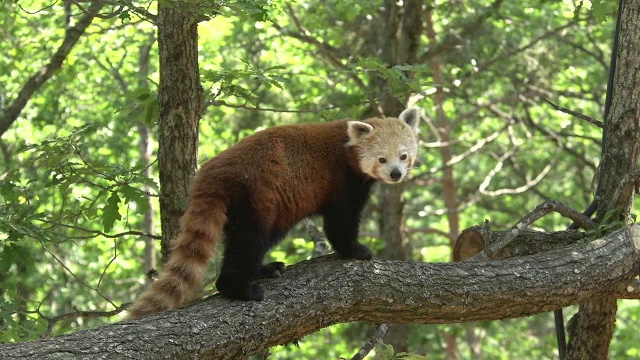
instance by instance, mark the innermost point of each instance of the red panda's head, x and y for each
(386, 148)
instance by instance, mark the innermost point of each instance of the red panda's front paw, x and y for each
(359, 252)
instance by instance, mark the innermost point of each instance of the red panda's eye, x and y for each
(382, 160)
(403, 157)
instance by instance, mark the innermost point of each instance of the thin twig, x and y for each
(509, 53)
(141, 12)
(328, 52)
(79, 314)
(76, 276)
(470, 151)
(320, 245)
(115, 255)
(379, 334)
(580, 116)
(98, 232)
(39, 10)
(236, 106)
(72, 35)
(96, 14)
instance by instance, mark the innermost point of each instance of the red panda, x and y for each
(251, 194)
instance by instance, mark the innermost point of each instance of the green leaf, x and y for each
(601, 9)
(151, 183)
(7, 257)
(132, 194)
(8, 191)
(110, 212)
(124, 16)
(249, 9)
(386, 353)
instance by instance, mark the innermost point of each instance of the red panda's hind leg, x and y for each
(242, 264)
(271, 270)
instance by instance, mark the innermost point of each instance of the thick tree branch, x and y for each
(325, 291)
(35, 82)
(540, 211)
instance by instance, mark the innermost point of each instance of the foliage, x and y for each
(387, 353)
(75, 185)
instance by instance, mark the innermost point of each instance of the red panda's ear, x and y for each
(357, 129)
(412, 117)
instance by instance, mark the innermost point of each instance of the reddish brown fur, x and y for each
(183, 275)
(253, 193)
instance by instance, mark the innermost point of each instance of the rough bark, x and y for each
(35, 82)
(591, 329)
(619, 165)
(181, 104)
(529, 242)
(325, 291)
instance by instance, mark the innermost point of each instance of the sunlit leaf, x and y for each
(110, 212)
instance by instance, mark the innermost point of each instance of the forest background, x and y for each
(79, 199)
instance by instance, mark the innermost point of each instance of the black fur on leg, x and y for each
(361, 252)
(243, 253)
(246, 243)
(230, 288)
(271, 270)
(342, 220)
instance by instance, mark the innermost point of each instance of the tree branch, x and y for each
(244, 106)
(540, 211)
(326, 50)
(377, 291)
(580, 116)
(470, 30)
(366, 349)
(72, 36)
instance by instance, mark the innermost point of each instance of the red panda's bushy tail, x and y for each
(182, 277)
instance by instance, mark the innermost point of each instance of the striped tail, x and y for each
(182, 278)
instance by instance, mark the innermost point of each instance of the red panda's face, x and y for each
(387, 148)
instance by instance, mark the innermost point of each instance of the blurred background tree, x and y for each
(80, 181)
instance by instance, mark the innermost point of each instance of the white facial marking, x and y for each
(387, 150)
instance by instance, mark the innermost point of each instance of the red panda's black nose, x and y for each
(395, 174)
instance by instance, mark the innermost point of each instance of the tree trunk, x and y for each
(591, 329)
(317, 293)
(181, 104)
(444, 137)
(400, 43)
(145, 158)
(446, 153)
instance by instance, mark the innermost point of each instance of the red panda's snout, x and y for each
(396, 174)
(392, 174)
